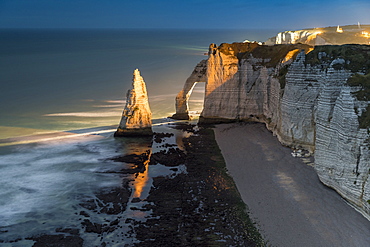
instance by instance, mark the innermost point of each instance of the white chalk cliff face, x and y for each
(136, 117)
(198, 75)
(306, 104)
(336, 35)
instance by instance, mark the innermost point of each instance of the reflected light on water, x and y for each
(141, 180)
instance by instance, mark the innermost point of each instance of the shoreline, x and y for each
(291, 206)
(175, 181)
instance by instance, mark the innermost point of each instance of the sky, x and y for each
(179, 14)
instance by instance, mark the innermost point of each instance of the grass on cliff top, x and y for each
(237, 48)
(348, 37)
(363, 81)
(271, 54)
(274, 54)
(357, 57)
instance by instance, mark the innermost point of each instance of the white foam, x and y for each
(49, 178)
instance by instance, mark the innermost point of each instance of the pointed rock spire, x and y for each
(136, 117)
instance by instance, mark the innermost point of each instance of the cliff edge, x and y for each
(311, 98)
(336, 35)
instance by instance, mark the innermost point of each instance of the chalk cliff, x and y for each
(337, 35)
(136, 117)
(305, 97)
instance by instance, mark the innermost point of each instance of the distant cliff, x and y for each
(315, 99)
(339, 35)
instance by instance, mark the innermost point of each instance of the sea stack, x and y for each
(136, 117)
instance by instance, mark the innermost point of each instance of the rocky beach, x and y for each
(284, 194)
(175, 191)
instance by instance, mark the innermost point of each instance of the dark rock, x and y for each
(159, 136)
(57, 241)
(173, 157)
(84, 214)
(92, 227)
(135, 200)
(68, 230)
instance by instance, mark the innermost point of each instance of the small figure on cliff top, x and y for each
(136, 117)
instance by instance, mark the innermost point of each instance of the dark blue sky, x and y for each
(237, 14)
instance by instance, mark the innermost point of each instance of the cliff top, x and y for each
(271, 55)
(335, 35)
(357, 57)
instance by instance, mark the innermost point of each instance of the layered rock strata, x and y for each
(136, 117)
(303, 97)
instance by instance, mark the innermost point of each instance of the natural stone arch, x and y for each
(199, 75)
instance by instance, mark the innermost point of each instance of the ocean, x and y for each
(62, 95)
(57, 80)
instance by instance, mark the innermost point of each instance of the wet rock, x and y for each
(68, 230)
(136, 160)
(172, 157)
(92, 227)
(110, 202)
(57, 241)
(159, 136)
(192, 207)
(135, 200)
(84, 214)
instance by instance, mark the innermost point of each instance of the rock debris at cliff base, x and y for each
(200, 208)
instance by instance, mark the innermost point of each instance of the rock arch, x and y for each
(199, 75)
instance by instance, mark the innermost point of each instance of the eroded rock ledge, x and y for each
(315, 99)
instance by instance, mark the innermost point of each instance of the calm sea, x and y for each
(69, 81)
(73, 79)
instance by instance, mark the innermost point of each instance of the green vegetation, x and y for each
(208, 156)
(347, 37)
(272, 55)
(363, 81)
(357, 57)
(237, 49)
(281, 76)
(364, 119)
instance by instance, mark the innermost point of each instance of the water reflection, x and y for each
(142, 179)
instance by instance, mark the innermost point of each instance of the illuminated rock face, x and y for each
(222, 92)
(198, 75)
(136, 117)
(351, 34)
(307, 106)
